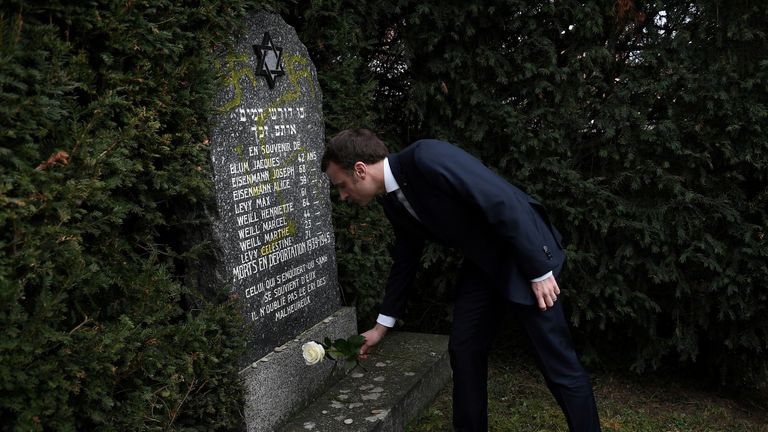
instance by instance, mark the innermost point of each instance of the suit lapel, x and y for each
(396, 164)
(398, 215)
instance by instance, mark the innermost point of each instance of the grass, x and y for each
(519, 401)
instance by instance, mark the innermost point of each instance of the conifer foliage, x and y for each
(640, 124)
(103, 156)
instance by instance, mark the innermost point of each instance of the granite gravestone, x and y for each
(274, 233)
(274, 225)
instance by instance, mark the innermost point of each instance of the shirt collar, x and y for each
(390, 184)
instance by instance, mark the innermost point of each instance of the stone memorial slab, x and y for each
(275, 243)
(274, 228)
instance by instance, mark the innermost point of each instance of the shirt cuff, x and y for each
(387, 321)
(541, 278)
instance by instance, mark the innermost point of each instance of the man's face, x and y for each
(356, 186)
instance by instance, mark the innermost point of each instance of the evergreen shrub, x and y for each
(104, 161)
(641, 125)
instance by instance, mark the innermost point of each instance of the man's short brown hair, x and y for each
(352, 145)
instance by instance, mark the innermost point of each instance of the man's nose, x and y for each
(343, 195)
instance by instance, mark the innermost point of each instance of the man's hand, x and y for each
(546, 292)
(372, 337)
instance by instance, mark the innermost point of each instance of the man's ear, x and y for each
(360, 169)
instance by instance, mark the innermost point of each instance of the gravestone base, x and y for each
(280, 383)
(394, 385)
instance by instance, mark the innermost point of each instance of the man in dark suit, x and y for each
(435, 191)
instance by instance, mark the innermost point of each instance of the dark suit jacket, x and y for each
(462, 204)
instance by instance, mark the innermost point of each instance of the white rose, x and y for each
(313, 352)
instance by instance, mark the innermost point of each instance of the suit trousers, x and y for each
(476, 316)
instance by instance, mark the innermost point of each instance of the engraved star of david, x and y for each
(270, 58)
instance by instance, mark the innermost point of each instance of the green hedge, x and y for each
(640, 124)
(103, 123)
